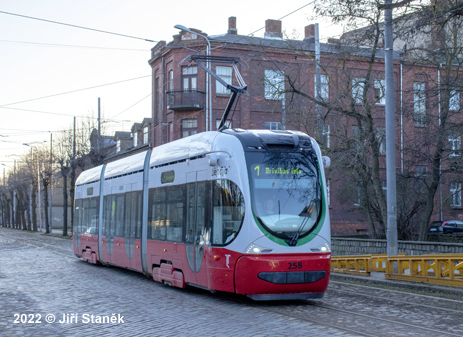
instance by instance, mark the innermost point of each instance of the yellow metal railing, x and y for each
(444, 269)
(356, 265)
(359, 264)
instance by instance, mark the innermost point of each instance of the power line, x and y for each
(75, 26)
(46, 112)
(73, 91)
(70, 46)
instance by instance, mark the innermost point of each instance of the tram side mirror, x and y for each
(213, 159)
(326, 161)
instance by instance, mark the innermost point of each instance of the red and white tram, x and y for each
(236, 211)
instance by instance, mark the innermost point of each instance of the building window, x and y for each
(358, 202)
(454, 101)
(135, 139)
(324, 87)
(118, 145)
(228, 124)
(358, 84)
(419, 104)
(225, 73)
(328, 183)
(171, 80)
(325, 136)
(384, 187)
(455, 194)
(455, 145)
(146, 133)
(273, 126)
(189, 127)
(189, 75)
(420, 179)
(380, 92)
(381, 139)
(274, 85)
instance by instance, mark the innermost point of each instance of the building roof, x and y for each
(304, 45)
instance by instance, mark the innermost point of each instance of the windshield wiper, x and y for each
(306, 213)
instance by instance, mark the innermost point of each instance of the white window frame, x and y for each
(419, 104)
(324, 87)
(328, 199)
(135, 139)
(273, 126)
(380, 92)
(454, 100)
(171, 80)
(381, 139)
(358, 86)
(145, 135)
(118, 145)
(274, 85)
(326, 135)
(455, 145)
(455, 194)
(421, 172)
(358, 202)
(189, 127)
(225, 73)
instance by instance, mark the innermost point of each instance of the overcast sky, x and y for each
(50, 73)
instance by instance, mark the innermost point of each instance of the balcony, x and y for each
(185, 100)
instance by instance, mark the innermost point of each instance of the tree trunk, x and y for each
(45, 205)
(65, 206)
(71, 194)
(34, 209)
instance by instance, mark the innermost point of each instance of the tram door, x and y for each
(195, 224)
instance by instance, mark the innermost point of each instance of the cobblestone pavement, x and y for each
(42, 281)
(43, 277)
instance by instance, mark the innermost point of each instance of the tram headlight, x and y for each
(256, 249)
(325, 248)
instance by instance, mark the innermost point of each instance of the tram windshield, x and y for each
(286, 192)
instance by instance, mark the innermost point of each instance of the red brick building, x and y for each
(280, 74)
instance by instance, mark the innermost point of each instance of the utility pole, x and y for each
(51, 184)
(318, 82)
(99, 129)
(391, 235)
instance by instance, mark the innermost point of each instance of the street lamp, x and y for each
(208, 77)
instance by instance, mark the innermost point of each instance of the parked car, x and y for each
(446, 227)
(436, 228)
(452, 226)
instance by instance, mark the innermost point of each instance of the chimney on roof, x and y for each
(334, 40)
(273, 28)
(232, 26)
(309, 32)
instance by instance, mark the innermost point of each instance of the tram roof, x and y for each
(183, 148)
(125, 165)
(89, 175)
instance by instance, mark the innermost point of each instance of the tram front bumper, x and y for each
(288, 274)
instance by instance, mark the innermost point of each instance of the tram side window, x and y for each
(157, 214)
(228, 211)
(109, 215)
(94, 214)
(174, 213)
(133, 205)
(139, 217)
(120, 207)
(78, 217)
(166, 213)
(129, 227)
